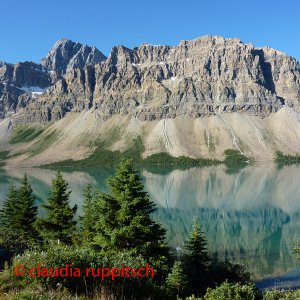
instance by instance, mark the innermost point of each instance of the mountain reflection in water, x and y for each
(251, 217)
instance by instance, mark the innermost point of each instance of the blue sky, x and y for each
(30, 28)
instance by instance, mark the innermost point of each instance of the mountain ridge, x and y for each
(215, 79)
(231, 94)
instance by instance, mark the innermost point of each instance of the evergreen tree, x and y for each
(106, 222)
(26, 214)
(177, 281)
(18, 217)
(124, 217)
(58, 224)
(8, 233)
(88, 220)
(196, 260)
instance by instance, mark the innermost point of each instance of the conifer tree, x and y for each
(177, 281)
(88, 220)
(124, 217)
(18, 217)
(26, 214)
(58, 224)
(8, 233)
(107, 208)
(8, 209)
(196, 260)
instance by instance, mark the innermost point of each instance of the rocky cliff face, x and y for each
(22, 83)
(67, 55)
(204, 76)
(18, 80)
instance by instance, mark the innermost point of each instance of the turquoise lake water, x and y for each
(251, 217)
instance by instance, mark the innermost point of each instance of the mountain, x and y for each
(24, 81)
(194, 99)
(16, 80)
(195, 78)
(66, 55)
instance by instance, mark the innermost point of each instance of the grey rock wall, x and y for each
(204, 76)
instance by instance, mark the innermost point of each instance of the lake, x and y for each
(251, 217)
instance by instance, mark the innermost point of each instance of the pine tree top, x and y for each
(196, 245)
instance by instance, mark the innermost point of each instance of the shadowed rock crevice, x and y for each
(266, 68)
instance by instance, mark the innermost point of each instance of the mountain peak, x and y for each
(66, 54)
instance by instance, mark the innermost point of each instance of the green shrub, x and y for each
(35, 292)
(282, 295)
(230, 291)
(8, 282)
(225, 270)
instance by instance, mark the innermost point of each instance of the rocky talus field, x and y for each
(196, 99)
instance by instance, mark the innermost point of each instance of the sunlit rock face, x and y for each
(67, 55)
(196, 78)
(23, 83)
